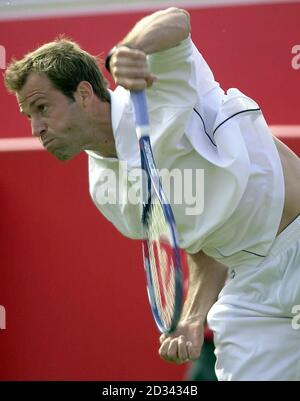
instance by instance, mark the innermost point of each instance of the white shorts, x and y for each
(256, 320)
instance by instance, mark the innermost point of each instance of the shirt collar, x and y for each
(118, 100)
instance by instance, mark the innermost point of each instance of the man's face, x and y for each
(55, 119)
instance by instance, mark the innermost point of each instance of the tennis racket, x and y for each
(161, 254)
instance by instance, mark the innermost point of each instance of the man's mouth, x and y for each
(55, 149)
(46, 141)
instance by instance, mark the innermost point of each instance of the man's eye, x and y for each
(42, 108)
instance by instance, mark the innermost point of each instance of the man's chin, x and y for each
(63, 157)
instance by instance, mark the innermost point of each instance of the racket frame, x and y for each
(153, 183)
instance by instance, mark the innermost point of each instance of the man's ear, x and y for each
(84, 93)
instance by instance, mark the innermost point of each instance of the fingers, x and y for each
(129, 69)
(192, 351)
(150, 79)
(132, 84)
(162, 338)
(182, 352)
(177, 349)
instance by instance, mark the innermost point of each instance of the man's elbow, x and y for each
(186, 21)
(182, 20)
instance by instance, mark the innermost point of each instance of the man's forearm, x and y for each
(159, 31)
(206, 279)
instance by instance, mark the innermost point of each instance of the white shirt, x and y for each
(195, 125)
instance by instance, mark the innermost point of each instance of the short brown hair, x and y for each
(64, 63)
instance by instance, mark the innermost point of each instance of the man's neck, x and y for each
(101, 138)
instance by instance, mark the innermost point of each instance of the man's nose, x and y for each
(38, 128)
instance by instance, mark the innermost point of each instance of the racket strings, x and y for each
(160, 254)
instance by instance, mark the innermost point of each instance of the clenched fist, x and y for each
(129, 68)
(184, 344)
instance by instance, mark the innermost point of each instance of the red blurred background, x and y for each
(73, 288)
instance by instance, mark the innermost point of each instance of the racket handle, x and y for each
(139, 102)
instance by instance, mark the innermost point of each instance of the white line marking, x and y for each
(286, 130)
(28, 144)
(31, 10)
(19, 144)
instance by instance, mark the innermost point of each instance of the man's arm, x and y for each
(157, 32)
(206, 279)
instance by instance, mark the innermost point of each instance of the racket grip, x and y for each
(139, 102)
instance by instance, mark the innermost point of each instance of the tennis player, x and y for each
(250, 224)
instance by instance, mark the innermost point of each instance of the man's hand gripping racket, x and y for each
(161, 253)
